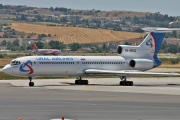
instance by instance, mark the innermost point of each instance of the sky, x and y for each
(169, 7)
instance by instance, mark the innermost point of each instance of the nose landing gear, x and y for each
(31, 84)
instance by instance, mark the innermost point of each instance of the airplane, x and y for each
(131, 61)
(45, 51)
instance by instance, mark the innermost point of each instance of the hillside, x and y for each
(75, 34)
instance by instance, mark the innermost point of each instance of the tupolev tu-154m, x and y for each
(131, 61)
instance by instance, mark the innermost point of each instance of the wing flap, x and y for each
(127, 72)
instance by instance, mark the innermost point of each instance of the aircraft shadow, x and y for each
(139, 85)
(73, 84)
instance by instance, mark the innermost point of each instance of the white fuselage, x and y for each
(65, 65)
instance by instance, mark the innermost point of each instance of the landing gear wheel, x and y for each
(30, 81)
(126, 83)
(86, 82)
(77, 81)
(31, 84)
(81, 82)
(131, 83)
(121, 83)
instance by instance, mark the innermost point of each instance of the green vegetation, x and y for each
(171, 60)
(14, 55)
(74, 46)
(170, 48)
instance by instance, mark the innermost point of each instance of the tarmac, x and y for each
(103, 99)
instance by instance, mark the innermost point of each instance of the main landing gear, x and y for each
(79, 81)
(124, 82)
(31, 84)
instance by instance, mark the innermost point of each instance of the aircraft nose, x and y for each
(7, 69)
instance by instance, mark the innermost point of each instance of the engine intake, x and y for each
(119, 49)
(132, 63)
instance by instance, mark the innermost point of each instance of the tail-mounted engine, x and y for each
(127, 50)
(119, 49)
(141, 64)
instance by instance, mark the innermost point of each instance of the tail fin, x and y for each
(34, 46)
(153, 43)
(150, 46)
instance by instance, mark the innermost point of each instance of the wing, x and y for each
(127, 72)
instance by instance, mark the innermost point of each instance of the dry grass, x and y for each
(121, 14)
(4, 61)
(75, 34)
(169, 65)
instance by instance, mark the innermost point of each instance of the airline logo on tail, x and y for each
(149, 43)
(28, 65)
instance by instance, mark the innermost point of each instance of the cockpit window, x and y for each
(15, 62)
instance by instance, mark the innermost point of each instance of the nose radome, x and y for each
(7, 69)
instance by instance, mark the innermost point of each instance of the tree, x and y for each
(16, 42)
(164, 46)
(41, 36)
(174, 33)
(9, 43)
(104, 47)
(29, 47)
(4, 42)
(35, 12)
(63, 19)
(49, 35)
(39, 18)
(54, 44)
(46, 46)
(74, 46)
(56, 9)
(13, 48)
(127, 43)
(1, 6)
(173, 48)
(39, 44)
(61, 45)
(51, 9)
(23, 17)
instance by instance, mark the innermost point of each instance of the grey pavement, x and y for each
(103, 99)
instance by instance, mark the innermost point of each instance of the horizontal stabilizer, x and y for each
(157, 29)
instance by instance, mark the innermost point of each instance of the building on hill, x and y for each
(33, 39)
